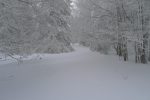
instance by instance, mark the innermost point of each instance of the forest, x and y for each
(74, 49)
(51, 26)
(121, 25)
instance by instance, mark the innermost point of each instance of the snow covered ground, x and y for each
(80, 75)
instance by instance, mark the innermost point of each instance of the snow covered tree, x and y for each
(52, 26)
(17, 27)
(125, 22)
(29, 26)
(88, 29)
(140, 19)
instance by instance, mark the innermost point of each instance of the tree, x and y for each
(140, 20)
(29, 26)
(126, 22)
(17, 25)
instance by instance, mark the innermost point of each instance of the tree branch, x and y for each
(96, 5)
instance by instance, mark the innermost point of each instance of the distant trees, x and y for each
(124, 22)
(87, 27)
(29, 26)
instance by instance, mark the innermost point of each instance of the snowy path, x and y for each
(80, 75)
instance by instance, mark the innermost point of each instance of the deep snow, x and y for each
(80, 75)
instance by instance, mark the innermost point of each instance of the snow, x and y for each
(80, 75)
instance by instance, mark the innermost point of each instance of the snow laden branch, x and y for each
(35, 26)
(122, 25)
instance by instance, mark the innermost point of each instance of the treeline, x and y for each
(121, 24)
(34, 26)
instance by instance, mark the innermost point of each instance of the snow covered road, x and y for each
(80, 75)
